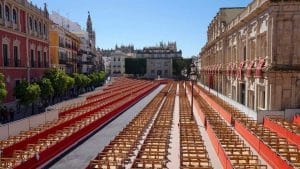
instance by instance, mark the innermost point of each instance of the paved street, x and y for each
(80, 157)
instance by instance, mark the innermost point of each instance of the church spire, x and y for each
(89, 25)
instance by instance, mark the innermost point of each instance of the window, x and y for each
(263, 46)
(40, 27)
(32, 57)
(0, 11)
(166, 72)
(35, 25)
(252, 48)
(45, 59)
(44, 29)
(14, 16)
(30, 23)
(262, 96)
(152, 71)
(7, 13)
(16, 56)
(245, 53)
(5, 54)
(39, 59)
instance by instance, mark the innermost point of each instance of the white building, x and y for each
(160, 59)
(118, 62)
(65, 22)
(107, 64)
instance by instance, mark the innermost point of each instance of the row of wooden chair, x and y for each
(235, 149)
(154, 151)
(116, 86)
(280, 120)
(120, 150)
(25, 134)
(193, 153)
(279, 145)
(45, 142)
(125, 90)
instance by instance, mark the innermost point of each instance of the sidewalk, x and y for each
(174, 151)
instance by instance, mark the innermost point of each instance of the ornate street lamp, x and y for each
(193, 78)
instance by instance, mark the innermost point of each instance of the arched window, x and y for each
(15, 17)
(7, 13)
(30, 23)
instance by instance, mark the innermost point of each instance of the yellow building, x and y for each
(64, 47)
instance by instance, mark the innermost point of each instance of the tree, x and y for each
(58, 80)
(70, 83)
(136, 66)
(27, 93)
(46, 90)
(20, 92)
(33, 93)
(3, 91)
(81, 81)
(179, 64)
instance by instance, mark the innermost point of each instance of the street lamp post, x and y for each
(193, 78)
(184, 74)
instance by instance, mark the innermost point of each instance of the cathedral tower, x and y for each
(89, 29)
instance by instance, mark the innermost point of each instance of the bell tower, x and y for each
(91, 32)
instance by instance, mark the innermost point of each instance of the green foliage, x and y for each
(3, 91)
(59, 80)
(81, 80)
(180, 64)
(20, 91)
(136, 66)
(97, 78)
(46, 88)
(69, 81)
(27, 93)
(33, 93)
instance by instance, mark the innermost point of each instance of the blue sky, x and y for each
(145, 22)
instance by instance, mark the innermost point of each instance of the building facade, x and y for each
(117, 59)
(64, 47)
(159, 59)
(252, 54)
(87, 58)
(24, 50)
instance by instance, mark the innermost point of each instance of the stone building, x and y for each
(117, 59)
(252, 54)
(24, 51)
(159, 59)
